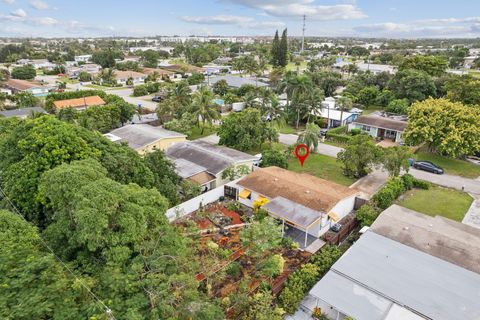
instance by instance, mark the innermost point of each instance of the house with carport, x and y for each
(381, 126)
(300, 201)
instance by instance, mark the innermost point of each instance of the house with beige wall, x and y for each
(145, 138)
(204, 163)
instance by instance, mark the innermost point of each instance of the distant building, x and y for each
(407, 266)
(35, 88)
(83, 58)
(21, 113)
(79, 103)
(122, 77)
(372, 67)
(235, 82)
(37, 63)
(145, 138)
(381, 126)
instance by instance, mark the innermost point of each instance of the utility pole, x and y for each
(303, 32)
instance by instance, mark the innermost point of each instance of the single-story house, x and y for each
(21, 113)
(145, 138)
(188, 69)
(407, 266)
(79, 103)
(149, 118)
(90, 68)
(381, 127)
(204, 163)
(123, 76)
(235, 82)
(83, 58)
(162, 74)
(37, 63)
(300, 200)
(336, 118)
(35, 88)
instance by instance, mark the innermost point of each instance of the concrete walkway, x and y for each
(370, 184)
(472, 217)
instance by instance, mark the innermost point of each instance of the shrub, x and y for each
(355, 131)
(385, 197)
(420, 184)
(152, 87)
(274, 158)
(139, 91)
(274, 266)
(367, 215)
(260, 214)
(234, 269)
(408, 181)
(234, 206)
(341, 138)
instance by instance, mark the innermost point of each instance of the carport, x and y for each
(294, 214)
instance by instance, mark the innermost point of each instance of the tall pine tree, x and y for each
(283, 50)
(275, 50)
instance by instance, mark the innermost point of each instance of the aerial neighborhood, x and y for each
(310, 168)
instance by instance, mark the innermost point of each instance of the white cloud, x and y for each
(20, 13)
(9, 1)
(294, 8)
(39, 4)
(449, 27)
(45, 21)
(241, 21)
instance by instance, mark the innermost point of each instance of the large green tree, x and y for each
(432, 65)
(243, 130)
(359, 156)
(412, 85)
(25, 73)
(204, 107)
(449, 128)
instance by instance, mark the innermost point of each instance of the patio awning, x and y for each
(244, 194)
(263, 199)
(292, 212)
(333, 216)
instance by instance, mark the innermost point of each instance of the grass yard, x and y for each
(197, 132)
(452, 166)
(448, 203)
(104, 88)
(292, 67)
(285, 128)
(322, 166)
(266, 146)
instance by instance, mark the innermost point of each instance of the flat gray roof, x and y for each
(448, 240)
(292, 212)
(21, 112)
(212, 157)
(237, 82)
(140, 135)
(410, 278)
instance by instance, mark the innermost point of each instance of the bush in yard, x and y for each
(274, 266)
(274, 158)
(355, 131)
(326, 258)
(367, 215)
(296, 286)
(234, 269)
(139, 91)
(420, 184)
(84, 76)
(385, 197)
(408, 181)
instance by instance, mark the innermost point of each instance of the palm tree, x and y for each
(107, 75)
(275, 76)
(299, 90)
(274, 110)
(310, 137)
(250, 100)
(265, 96)
(204, 107)
(344, 104)
(313, 102)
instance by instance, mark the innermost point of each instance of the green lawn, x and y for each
(66, 80)
(292, 67)
(440, 201)
(104, 88)
(450, 165)
(322, 166)
(197, 132)
(285, 128)
(265, 146)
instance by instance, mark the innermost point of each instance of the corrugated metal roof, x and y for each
(292, 212)
(186, 169)
(411, 278)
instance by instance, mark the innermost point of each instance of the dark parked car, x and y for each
(157, 99)
(428, 166)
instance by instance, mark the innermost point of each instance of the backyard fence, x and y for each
(193, 204)
(349, 223)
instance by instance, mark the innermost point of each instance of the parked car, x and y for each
(323, 132)
(157, 99)
(428, 166)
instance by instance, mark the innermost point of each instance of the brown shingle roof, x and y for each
(382, 122)
(161, 72)
(180, 68)
(128, 74)
(309, 191)
(79, 102)
(20, 85)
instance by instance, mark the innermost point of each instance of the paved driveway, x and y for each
(449, 181)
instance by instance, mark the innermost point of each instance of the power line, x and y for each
(107, 309)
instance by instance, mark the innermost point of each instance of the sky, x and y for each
(331, 18)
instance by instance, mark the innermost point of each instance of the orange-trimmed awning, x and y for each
(333, 216)
(245, 193)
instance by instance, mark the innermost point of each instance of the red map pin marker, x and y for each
(302, 156)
